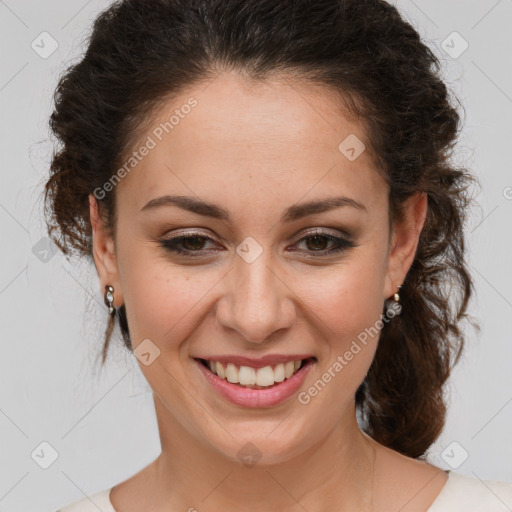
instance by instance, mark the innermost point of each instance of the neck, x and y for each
(336, 473)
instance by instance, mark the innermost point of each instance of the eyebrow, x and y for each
(295, 212)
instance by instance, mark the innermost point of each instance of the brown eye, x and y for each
(319, 241)
(189, 245)
(193, 243)
(316, 244)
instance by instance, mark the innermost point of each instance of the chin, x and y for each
(260, 447)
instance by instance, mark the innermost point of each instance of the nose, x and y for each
(257, 302)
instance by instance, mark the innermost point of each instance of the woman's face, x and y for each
(260, 283)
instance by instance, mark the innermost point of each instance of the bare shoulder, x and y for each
(406, 484)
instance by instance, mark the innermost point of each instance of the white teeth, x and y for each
(279, 372)
(220, 371)
(248, 376)
(289, 369)
(264, 376)
(231, 373)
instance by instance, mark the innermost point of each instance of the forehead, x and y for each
(233, 134)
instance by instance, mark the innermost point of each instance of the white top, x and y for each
(460, 493)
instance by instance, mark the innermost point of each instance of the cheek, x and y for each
(347, 305)
(162, 298)
(348, 297)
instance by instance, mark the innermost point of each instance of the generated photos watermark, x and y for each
(151, 142)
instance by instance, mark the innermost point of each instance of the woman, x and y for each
(267, 193)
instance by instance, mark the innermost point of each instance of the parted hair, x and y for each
(141, 53)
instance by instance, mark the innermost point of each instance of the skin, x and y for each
(255, 150)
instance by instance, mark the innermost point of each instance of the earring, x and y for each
(396, 297)
(109, 299)
(395, 308)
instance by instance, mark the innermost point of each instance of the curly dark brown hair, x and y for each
(141, 53)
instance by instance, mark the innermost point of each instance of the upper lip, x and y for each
(260, 362)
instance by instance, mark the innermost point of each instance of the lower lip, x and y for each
(257, 397)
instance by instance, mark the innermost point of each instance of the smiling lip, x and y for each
(248, 397)
(260, 362)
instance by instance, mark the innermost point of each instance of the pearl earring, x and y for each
(109, 299)
(395, 308)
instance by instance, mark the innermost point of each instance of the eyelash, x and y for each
(173, 244)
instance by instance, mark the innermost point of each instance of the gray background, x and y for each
(101, 422)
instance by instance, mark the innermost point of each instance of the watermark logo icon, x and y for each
(44, 45)
(44, 455)
(249, 249)
(45, 249)
(352, 147)
(146, 352)
(455, 455)
(249, 454)
(454, 45)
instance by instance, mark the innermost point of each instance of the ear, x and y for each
(105, 258)
(404, 242)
